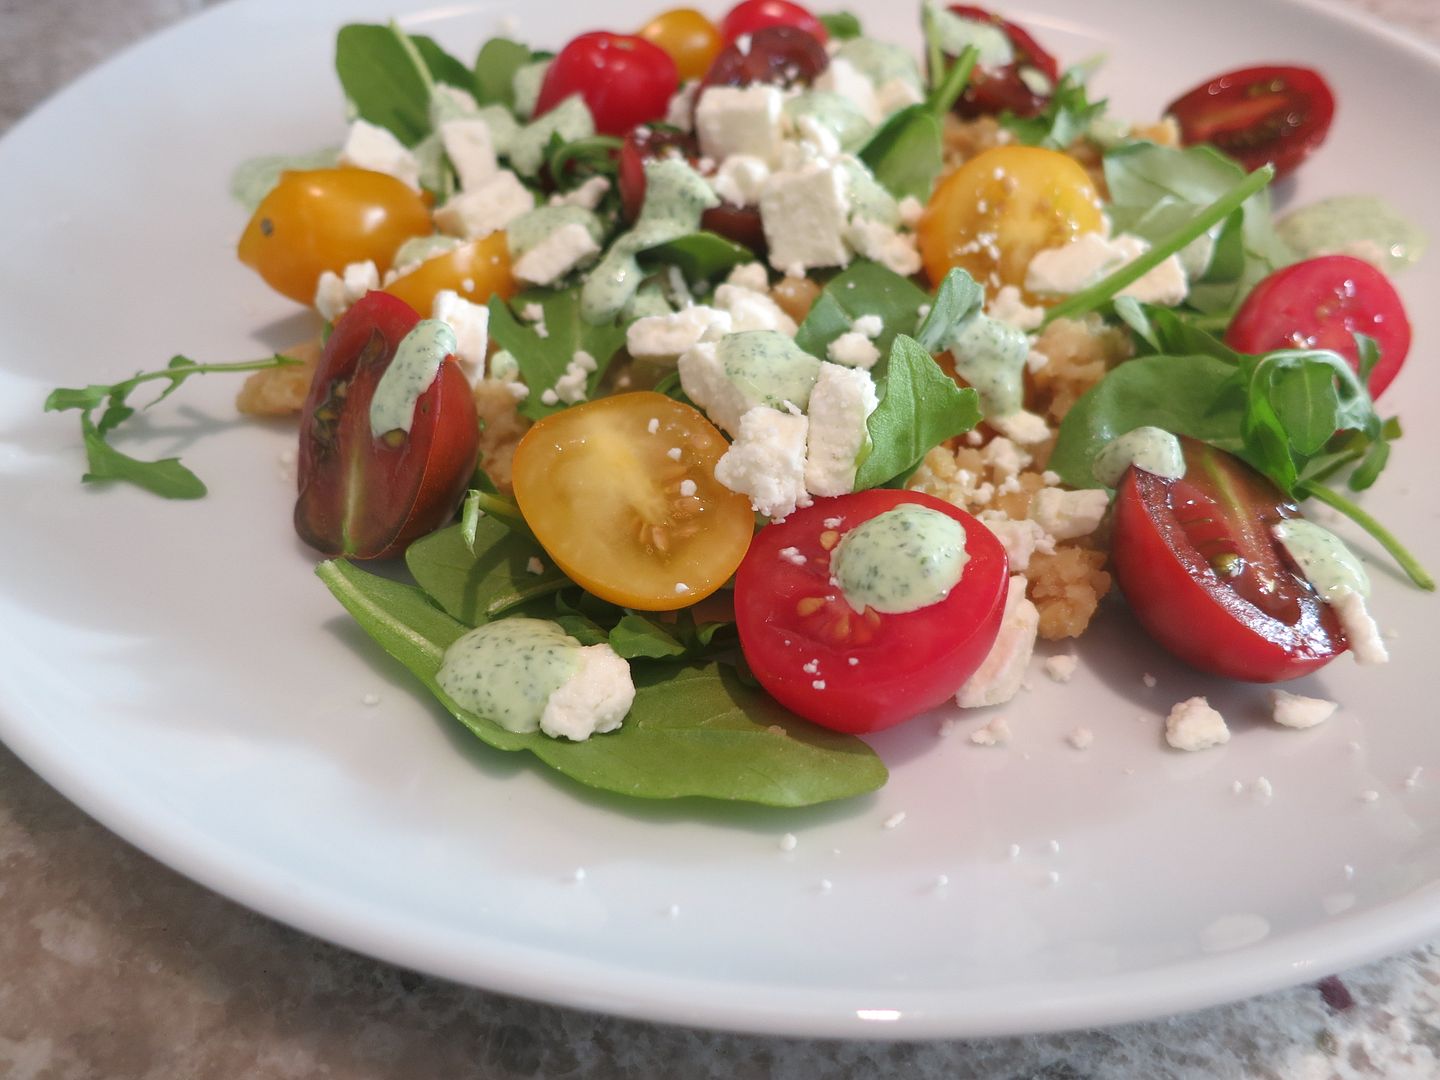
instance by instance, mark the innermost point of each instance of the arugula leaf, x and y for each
(905, 152)
(920, 407)
(636, 637)
(841, 25)
(384, 77)
(948, 89)
(481, 581)
(443, 67)
(701, 256)
(865, 288)
(495, 67)
(543, 360)
(1066, 117)
(956, 300)
(166, 477)
(693, 730)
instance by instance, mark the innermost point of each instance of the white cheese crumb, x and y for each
(1082, 738)
(1053, 878)
(534, 566)
(941, 881)
(833, 523)
(687, 488)
(853, 349)
(1013, 852)
(1061, 668)
(1194, 725)
(1348, 871)
(1296, 711)
(818, 684)
(948, 727)
(1361, 632)
(1053, 847)
(578, 875)
(370, 699)
(673, 911)
(788, 842)
(1149, 680)
(1068, 515)
(1000, 674)
(1412, 778)
(792, 555)
(654, 425)
(1236, 787)
(872, 326)
(673, 453)
(1369, 796)
(826, 885)
(895, 820)
(681, 588)
(1262, 790)
(995, 733)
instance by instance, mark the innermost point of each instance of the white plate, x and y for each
(175, 669)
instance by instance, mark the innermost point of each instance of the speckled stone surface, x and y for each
(112, 966)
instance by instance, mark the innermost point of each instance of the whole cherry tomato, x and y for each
(603, 491)
(625, 80)
(690, 39)
(366, 496)
(1005, 89)
(739, 223)
(1258, 115)
(1201, 571)
(477, 270)
(752, 16)
(1322, 304)
(325, 219)
(784, 55)
(861, 671)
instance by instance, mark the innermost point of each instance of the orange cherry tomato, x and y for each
(994, 213)
(324, 219)
(477, 271)
(604, 492)
(692, 40)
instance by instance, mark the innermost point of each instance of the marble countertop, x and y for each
(112, 965)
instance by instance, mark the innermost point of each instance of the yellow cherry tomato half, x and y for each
(692, 40)
(622, 494)
(324, 219)
(992, 215)
(476, 270)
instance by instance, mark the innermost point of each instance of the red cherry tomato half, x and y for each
(1258, 115)
(741, 224)
(998, 90)
(753, 16)
(865, 671)
(1322, 304)
(783, 55)
(368, 497)
(1200, 570)
(624, 79)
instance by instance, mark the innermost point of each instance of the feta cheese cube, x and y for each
(752, 276)
(487, 208)
(680, 112)
(1081, 263)
(891, 248)
(1021, 539)
(743, 370)
(804, 214)
(1004, 458)
(471, 323)
(592, 701)
(740, 120)
(1021, 426)
(896, 94)
(587, 196)
(555, 256)
(842, 400)
(853, 349)
(844, 78)
(1297, 711)
(1194, 725)
(750, 310)
(369, 146)
(1009, 307)
(334, 293)
(470, 149)
(1066, 515)
(999, 676)
(740, 179)
(667, 336)
(767, 462)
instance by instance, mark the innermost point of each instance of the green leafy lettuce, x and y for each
(543, 358)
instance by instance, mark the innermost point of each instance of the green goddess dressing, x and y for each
(902, 560)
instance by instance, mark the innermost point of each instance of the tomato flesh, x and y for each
(1199, 568)
(778, 55)
(624, 79)
(367, 497)
(861, 671)
(631, 514)
(1258, 115)
(739, 223)
(752, 16)
(998, 90)
(1323, 303)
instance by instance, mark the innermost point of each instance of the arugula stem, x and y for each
(1089, 299)
(1386, 539)
(934, 55)
(953, 84)
(506, 511)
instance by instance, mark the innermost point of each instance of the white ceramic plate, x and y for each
(175, 669)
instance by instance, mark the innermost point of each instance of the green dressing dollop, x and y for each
(902, 560)
(416, 363)
(990, 356)
(506, 671)
(1359, 225)
(768, 368)
(1150, 448)
(1323, 558)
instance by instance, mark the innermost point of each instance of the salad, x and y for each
(733, 390)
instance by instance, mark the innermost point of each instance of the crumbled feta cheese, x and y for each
(995, 733)
(853, 349)
(571, 387)
(1194, 725)
(680, 111)
(751, 276)
(804, 214)
(487, 208)
(793, 556)
(894, 821)
(1296, 711)
(872, 326)
(1008, 307)
(667, 336)
(844, 78)
(1021, 539)
(1005, 459)
(587, 196)
(593, 700)
(1082, 262)
(471, 150)
(1066, 515)
(740, 120)
(1023, 427)
(1081, 738)
(891, 248)
(788, 842)
(751, 310)
(767, 462)
(369, 146)
(334, 293)
(999, 676)
(740, 179)
(1061, 667)
(556, 255)
(471, 323)
(842, 400)
(534, 566)
(1366, 644)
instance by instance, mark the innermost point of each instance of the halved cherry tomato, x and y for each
(367, 497)
(1002, 89)
(1200, 570)
(1258, 115)
(324, 219)
(740, 223)
(991, 215)
(861, 671)
(752, 16)
(690, 39)
(603, 487)
(625, 80)
(476, 270)
(781, 55)
(1322, 304)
